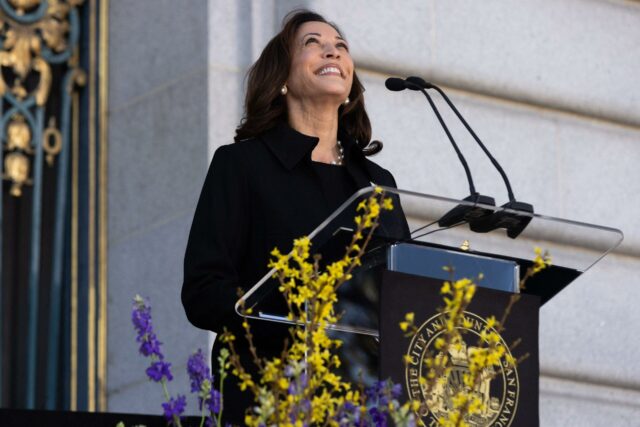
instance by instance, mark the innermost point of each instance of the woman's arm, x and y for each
(217, 242)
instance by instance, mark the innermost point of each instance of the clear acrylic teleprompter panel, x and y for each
(574, 246)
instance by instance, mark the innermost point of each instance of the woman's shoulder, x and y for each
(240, 151)
(243, 146)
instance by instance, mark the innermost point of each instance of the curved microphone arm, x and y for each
(467, 171)
(420, 83)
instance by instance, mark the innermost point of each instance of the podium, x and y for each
(402, 271)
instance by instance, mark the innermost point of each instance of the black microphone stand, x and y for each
(461, 213)
(513, 222)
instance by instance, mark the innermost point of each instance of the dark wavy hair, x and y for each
(264, 105)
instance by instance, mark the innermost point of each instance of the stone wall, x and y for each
(157, 160)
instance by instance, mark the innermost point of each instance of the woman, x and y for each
(299, 152)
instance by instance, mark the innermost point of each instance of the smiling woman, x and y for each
(320, 80)
(306, 40)
(300, 152)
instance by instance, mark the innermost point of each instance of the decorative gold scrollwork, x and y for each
(16, 163)
(23, 5)
(19, 134)
(34, 34)
(51, 134)
(22, 47)
(16, 166)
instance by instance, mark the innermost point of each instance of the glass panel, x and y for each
(575, 247)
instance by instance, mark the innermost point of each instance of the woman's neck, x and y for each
(320, 122)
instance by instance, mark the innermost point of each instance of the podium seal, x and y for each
(498, 391)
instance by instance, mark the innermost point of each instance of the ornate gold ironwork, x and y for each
(34, 35)
(16, 163)
(16, 166)
(23, 5)
(21, 53)
(22, 48)
(51, 141)
(19, 134)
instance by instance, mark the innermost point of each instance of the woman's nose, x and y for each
(331, 51)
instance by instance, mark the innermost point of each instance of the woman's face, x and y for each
(321, 65)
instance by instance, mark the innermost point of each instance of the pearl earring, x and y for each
(346, 101)
(284, 89)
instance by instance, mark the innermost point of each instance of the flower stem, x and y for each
(176, 419)
(202, 415)
(219, 419)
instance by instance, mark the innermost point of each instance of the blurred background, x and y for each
(116, 109)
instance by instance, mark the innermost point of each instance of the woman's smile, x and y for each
(330, 70)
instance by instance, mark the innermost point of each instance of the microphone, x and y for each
(513, 222)
(461, 213)
(395, 84)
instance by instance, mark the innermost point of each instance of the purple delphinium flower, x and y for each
(349, 415)
(214, 403)
(298, 384)
(396, 391)
(150, 346)
(378, 398)
(289, 371)
(159, 370)
(382, 392)
(303, 407)
(174, 407)
(375, 392)
(141, 319)
(378, 418)
(198, 370)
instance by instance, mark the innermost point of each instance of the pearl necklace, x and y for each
(340, 159)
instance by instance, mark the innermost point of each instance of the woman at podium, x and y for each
(300, 151)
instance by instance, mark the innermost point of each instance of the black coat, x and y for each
(258, 194)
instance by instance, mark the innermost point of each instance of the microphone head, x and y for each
(395, 84)
(420, 82)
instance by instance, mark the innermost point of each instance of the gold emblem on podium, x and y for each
(498, 390)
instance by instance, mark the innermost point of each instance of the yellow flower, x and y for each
(541, 260)
(491, 322)
(283, 383)
(387, 204)
(446, 288)
(227, 337)
(245, 383)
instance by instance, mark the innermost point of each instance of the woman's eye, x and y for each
(343, 45)
(311, 40)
